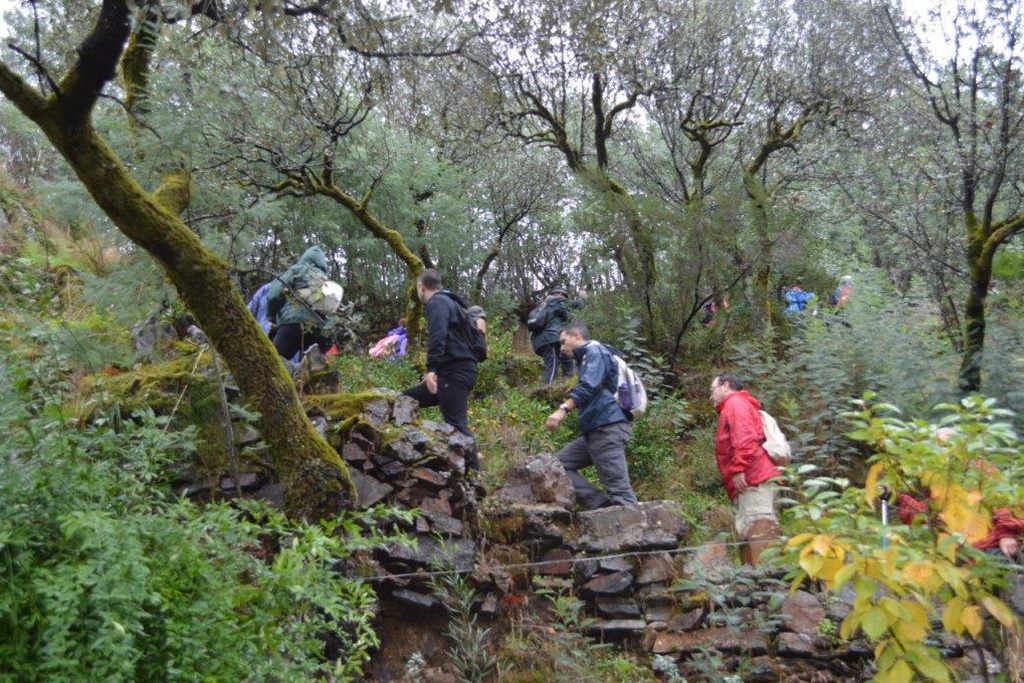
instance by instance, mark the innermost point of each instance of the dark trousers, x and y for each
(605, 449)
(553, 359)
(292, 338)
(454, 384)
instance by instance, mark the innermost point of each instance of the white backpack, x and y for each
(630, 393)
(322, 295)
(775, 441)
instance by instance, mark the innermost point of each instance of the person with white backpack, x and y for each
(747, 468)
(604, 424)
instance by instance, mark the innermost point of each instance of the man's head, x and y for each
(573, 336)
(558, 291)
(427, 284)
(723, 385)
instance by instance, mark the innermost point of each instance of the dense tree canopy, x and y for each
(656, 157)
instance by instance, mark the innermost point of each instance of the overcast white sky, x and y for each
(914, 7)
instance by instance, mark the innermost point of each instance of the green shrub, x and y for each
(108, 578)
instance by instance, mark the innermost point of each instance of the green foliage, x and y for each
(107, 577)
(556, 649)
(877, 343)
(908, 579)
(469, 650)
(655, 438)
(362, 373)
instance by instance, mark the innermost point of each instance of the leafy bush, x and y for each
(908, 579)
(107, 577)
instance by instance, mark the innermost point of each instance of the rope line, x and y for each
(544, 563)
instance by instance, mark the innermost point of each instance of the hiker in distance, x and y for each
(545, 323)
(603, 425)
(298, 325)
(746, 468)
(451, 361)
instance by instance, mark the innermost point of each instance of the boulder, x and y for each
(651, 525)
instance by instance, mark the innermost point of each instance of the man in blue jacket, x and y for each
(604, 426)
(451, 365)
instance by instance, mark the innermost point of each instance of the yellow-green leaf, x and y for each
(875, 623)
(933, 669)
(843, 575)
(952, 619)
(998, 609)
(973, 622)
(871, 483)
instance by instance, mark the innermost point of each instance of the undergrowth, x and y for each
(108, 577)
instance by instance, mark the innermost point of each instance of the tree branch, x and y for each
(98, 57)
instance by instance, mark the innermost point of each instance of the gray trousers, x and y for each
(605, 449)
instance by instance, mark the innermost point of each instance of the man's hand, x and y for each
(1009, 546)
(554, 419)
(430, 379)
(739, 483)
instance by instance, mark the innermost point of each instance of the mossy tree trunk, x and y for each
(777, 138)
(983, 239)
(315, 481)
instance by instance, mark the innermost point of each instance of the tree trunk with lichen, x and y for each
(315, 481)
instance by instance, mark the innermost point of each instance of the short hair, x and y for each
(577, 327)
(734, 382)
(431, 279)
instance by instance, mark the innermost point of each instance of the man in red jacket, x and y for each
(745, 466)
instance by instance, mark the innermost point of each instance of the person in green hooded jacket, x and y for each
(298, 325)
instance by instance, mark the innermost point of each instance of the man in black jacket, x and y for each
(545, 339)
(451, 365)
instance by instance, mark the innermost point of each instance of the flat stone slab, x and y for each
(748, 641)
(650, 525)
(369, 491)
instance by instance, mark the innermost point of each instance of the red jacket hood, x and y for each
(741, 395)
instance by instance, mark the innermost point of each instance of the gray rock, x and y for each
(430, 478)
(616, 564)
(650, 525)
(796, 645)
(247, 481)
(656, 569)
(617, 626)
(558, 563)
(461, 444)
(404, 410)
(415, 438)
(709, 563)
(687, 621)
(444, 524)
(246, 434)
(154, 329)
(369, 491)
(802, 612)
(617, 608)
(320, 424)
(377, 412)
(454, 553)
(272, 494)
(441, 427)
(541, 479)
(403, 451)
(415, 599)
(354, 451)
(618, 583)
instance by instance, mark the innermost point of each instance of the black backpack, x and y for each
(537, 320)
(476, 339)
